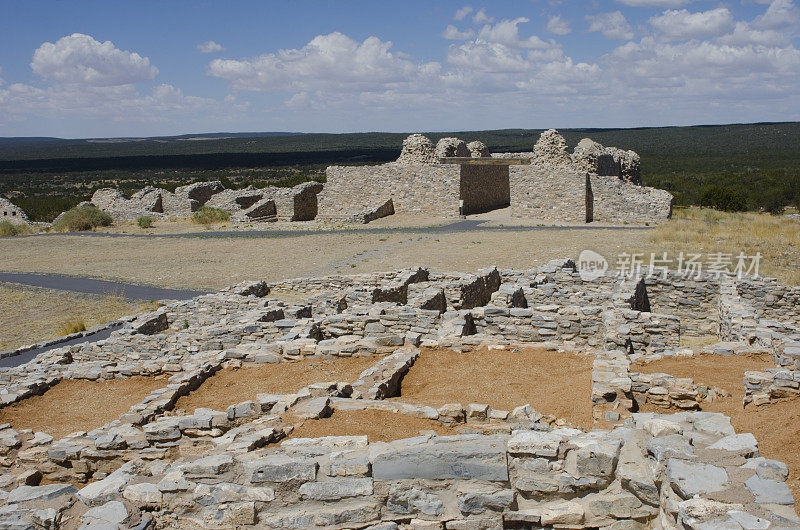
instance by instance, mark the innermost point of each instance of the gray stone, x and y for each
(769, 491)
(406, 499)
(333, 490)
(112, 512)
(447, 457)
(535, 443)
(31, 495)
(281, 468)
(691, 478)
(742, 444)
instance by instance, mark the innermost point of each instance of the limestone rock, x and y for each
(417, 149)
(449, 147)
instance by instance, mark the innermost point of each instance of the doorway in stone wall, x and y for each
(589, 200)
(483, 188)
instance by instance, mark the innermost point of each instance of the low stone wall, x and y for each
(553, 194)
(771, 300)
(691, 299)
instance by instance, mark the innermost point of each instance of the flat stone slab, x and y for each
(769, 491)
(692, 478)
(476, 459)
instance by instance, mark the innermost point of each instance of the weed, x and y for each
(145, 221)
(81, 219)
(72, 325)
(7, 228)
(207, 215)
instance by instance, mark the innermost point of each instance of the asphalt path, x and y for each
(79, 284)
(466, 225)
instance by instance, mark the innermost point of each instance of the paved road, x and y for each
(458, 226)
(78, 284)
(18, 360)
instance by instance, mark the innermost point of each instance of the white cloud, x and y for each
(743, 33)
(681, 25)
(80, 59)
(330, 63)
(612, 25)
(506, 32)
(1, 78)
(452, 33)
(210, 47)
(558, 26)
(462, 13)
(780, 14)
(655, 3)
(482, 18)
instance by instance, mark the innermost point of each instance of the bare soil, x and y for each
(775, 426)
(79, 405)
(229, 386)
(377, 425)
(553, 383)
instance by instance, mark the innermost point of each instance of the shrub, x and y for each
(72, 325)
(775, 202)
(7, 228)
(144, 221)
(82, 218)
(723, 198)
(207, 215)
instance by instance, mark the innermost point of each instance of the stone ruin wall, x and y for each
(551, 188)
(11, 212)
(419, 189)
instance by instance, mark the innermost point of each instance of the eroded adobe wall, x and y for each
(421, 189)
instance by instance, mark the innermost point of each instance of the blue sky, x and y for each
(99, 68)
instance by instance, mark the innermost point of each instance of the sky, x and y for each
(82, 68)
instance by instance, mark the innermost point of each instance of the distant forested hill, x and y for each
(760, 161)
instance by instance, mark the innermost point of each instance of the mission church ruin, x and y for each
(594, 183)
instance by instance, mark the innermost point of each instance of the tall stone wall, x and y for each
(484, 188)
(11, 212)
(422, 189)
(551, 194)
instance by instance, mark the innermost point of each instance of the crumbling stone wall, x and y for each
(11, 212)
(484, 188)
(547, 193)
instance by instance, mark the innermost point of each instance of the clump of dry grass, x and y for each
(705, 231)
(72, 325)
(7, 228)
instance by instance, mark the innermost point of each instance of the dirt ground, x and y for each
(553, 383)
(775, 426)
(216, 262)
(73, 405)
(31, 314)
(231, 386)
(377, 425)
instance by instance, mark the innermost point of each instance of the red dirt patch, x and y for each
(553, 383)
(79, 405)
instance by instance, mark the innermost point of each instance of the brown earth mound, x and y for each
(231, 386)
(80, 405)
(775, 426)
(553, 383)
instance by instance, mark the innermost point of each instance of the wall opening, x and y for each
(484, 188)
(589, 200)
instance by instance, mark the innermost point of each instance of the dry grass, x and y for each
(29, 314)
(72, 325)
(554, 383)
(706, 231)
(213, 263)
(775, 426)
(72, 405)
(231, 386)
(377, 425)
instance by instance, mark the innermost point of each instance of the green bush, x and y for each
(723, 198)
(207, 215)
(7, 228)
(82, 218)
(144, 222)
(775, 202)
